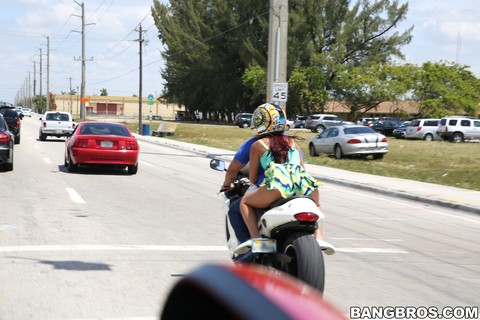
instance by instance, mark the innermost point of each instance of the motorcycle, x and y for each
(287, 228)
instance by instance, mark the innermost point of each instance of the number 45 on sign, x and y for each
(280, 91)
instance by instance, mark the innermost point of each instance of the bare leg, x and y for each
(258, 198)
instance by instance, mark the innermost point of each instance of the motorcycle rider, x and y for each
(268, 120)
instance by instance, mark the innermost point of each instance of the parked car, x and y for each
(458, 129)
(12, 118)
(101, 143)
(366, 121)
(289, 124)
(425, 129)
(319, 122)
(349, 140)
(299, 122)
(399, 132)
(243, 120)
(385, 127)
(7, 142)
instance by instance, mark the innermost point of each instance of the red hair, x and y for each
(279, 146)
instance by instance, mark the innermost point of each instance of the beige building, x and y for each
(113, 106)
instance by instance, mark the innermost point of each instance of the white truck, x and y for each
(56, 124)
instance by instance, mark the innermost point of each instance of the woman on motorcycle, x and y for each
(285, 175)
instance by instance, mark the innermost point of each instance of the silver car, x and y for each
(349, 140)
(425, 129)
(319, 122)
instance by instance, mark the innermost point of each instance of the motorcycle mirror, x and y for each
(218, 165)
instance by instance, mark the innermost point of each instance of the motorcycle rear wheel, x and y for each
(306, 260)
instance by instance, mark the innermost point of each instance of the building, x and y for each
(384, 109)
(113, 106)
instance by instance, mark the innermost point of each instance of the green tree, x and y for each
(255, 78)
(364, 88)
(40, 103)
(338, 35)
(103, 92)
(204, 62)
(307, 90)
(446, 88)
(213, 46)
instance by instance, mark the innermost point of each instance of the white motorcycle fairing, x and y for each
(286, 212)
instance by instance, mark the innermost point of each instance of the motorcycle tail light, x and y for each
(306, 216)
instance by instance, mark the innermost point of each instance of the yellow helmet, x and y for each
(268, 118)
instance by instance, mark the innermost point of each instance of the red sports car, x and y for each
(101, 143)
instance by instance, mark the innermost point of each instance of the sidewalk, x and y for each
(463, 199)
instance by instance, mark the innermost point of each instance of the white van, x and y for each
(425, 129)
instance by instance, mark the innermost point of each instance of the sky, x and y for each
(444, 30)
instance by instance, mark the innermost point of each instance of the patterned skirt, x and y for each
(290, 179)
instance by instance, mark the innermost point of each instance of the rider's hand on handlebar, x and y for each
(226, 187)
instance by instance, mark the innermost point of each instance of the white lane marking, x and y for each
(369, 250)
(47, 160)
(362, 218)
(160, 248)
(74, 196)
(408, 205)
(366, 239)
(146, 163)
(7, 227)
(122, 318)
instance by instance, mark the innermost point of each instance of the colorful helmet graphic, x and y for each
(268, 118)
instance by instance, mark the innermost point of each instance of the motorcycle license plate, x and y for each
(264, 245)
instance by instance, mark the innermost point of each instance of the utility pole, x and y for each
(82, 94)
(140, 44)
(40, 94)
(277, 53)
(29, 90)
(71, 101)
(48, 73)
(34, 78)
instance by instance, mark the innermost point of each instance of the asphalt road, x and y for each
(106, 245)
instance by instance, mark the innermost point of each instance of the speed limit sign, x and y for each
(280, 91)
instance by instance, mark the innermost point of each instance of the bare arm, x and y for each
(232, 172)
(255, 154)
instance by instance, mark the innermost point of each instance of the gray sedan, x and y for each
(349, 140)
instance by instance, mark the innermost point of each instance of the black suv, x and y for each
(243, 120)
(12, 117)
